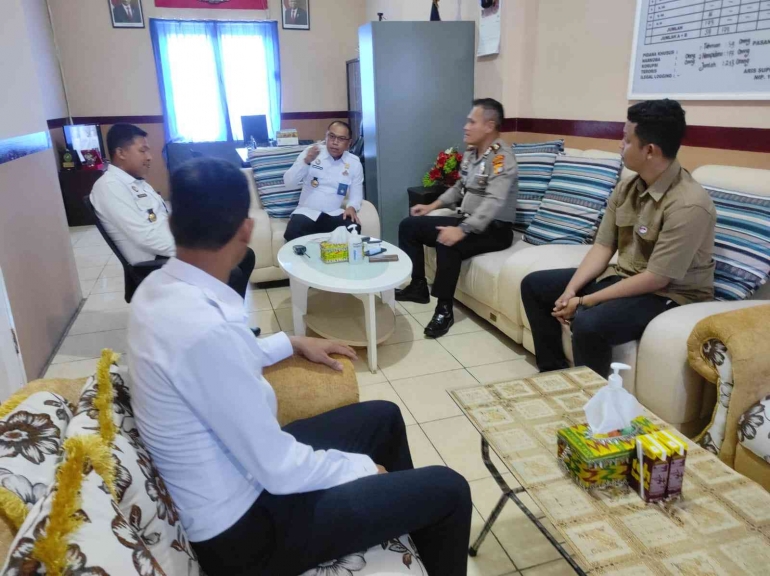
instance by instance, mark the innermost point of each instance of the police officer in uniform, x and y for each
(133, 214)
(328, 174)
(486, 195)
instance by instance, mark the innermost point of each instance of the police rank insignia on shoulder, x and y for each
(151, 215)
(498, 164)
(314, 182)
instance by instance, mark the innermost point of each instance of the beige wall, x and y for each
(35, 251)
(111, 72)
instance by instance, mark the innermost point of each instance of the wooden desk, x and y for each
(75, 185)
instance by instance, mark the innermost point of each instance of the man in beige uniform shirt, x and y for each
(485, 201)
(661, 223)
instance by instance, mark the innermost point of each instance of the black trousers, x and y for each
(300, 225)
(287, 535)
(239, 276)
(415, 232)
(594, 330)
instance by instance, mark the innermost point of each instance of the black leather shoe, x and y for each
(443, 319)
(417, 291)
(257, 331)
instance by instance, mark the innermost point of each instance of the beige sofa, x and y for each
(661, 377)
(267, 238)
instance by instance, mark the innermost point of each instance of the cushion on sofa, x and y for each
(31, 434)
(575, 201)
(269, 165)
(78, 529)
(742, 243)
(535, 171)
(548, 147)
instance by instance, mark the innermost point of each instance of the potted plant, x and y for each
(445, 172)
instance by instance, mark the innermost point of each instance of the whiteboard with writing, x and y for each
(701, 50)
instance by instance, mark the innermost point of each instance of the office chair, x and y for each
(133, 273)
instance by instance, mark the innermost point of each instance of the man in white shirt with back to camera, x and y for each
(328, 173)
(254, 498)
(133, 214)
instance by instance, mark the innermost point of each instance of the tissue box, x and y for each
(600, 459)
(331, 253)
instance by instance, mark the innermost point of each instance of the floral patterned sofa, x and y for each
(80, 495)
(730, 351)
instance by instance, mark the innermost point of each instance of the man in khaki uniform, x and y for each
(486, 194)
(661, 223)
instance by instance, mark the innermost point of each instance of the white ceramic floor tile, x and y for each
(86, 286)
(87, 346)
(107, 301)
(400, 310)
(363, 374)
(258, 300)
(266, 320)
(557, 568)
(465, 322)
(414, 308)
(285, 319)
(492, 559)
(111, 272)
(72, 370)
(426, 396)
(501, 371)
(96, 250)
(459, 445)
(113, 261)
(91, 261)
(280, 297)
(105, 285)
(524, 543)
(407, 330)
(414, 359)
(90, 273)
(384, 391)
(100, 321)
(423, 452)
(480, 348)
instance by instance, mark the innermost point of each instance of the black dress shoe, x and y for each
(443, 319)
(257, 331)
(417, 291)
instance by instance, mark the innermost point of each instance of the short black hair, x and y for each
(122, 135)
(493, 110)
(341, 123)
(659, 122)
(210, 199)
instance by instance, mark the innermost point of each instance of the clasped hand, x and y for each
(565, 307)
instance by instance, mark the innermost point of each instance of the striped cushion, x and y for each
(575, 201)
(269, 165)
(742, 245)
(549, 147)
(534, 175)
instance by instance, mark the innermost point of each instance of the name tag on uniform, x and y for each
(342, 189)
(142, 196)
(642, 230)
(316, 166)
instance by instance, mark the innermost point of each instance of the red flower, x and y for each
(453, 177)
(442, 158)
(435, 174)
(459, 157)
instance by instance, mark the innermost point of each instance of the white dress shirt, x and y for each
(204, 409)
(134, 216)
(326, 182)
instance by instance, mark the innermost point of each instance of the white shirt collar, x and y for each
(224, 297)
(121, 175)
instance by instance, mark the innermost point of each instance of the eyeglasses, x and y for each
(334, 138)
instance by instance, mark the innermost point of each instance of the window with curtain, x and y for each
(210, 73)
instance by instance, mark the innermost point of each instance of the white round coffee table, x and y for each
(333, 312)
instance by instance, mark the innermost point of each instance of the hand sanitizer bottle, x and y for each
(355, 246)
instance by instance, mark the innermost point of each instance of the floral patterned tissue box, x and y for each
(595, 460)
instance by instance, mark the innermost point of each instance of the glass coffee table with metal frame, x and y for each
(720, 526)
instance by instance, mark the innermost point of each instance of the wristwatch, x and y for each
(465, 227)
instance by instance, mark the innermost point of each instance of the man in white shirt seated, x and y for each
(133, 214)
(328, 173)
(255, 498)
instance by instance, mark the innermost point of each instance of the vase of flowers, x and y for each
(446, 171)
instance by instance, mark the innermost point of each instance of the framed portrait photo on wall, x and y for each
(126, 13)
(296, 14)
